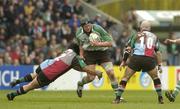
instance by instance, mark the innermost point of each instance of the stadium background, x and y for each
(33, 30)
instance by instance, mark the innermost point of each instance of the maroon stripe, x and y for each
(55, 69)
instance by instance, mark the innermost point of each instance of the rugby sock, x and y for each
(20, 91)
(122, 87)
(177, 89)
(114, 85)
(157, 85)
(27, 78)
(85, 80)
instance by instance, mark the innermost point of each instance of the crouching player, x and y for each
(51, 69)
(145, 47)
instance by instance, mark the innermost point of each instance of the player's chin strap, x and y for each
(126, 54)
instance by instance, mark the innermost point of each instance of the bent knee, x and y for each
(91, 77)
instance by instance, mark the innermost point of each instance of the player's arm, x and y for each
(128, 49)
(102, 44)
(81, 51)
(107, 40)
(171, 41)
(129, 46)
(126, 55)
(85, 68)
(158, 56)
(158, 53)
(79, 42)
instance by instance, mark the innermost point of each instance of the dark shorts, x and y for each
(97, 57)
(143, 63)
(41, 78)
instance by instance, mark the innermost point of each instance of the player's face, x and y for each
(87, 28)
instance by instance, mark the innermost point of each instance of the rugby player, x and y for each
(95, 52)
(145, 48)
(50, 69)
(171, 95)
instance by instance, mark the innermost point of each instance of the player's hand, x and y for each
(159, 68)
(122, 65)
(169, 41)
(94, 43)
(82, 57)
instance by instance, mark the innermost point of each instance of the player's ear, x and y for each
(139, 25)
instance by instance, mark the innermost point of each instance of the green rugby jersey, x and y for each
(83, 39)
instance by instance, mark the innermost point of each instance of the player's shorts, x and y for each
(96, 57)
(45, 76)
(41, 78)
(143, 63)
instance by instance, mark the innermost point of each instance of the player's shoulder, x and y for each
(96, 27)
(79, 32)
(150, 33)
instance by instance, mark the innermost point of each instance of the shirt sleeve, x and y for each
(77, 38)
(104, 35)
(131, 40)
(157, 45)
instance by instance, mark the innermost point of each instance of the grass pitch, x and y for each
(90, 100)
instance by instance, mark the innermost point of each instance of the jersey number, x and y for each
(149, 42)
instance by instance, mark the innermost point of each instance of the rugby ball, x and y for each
(94, 37)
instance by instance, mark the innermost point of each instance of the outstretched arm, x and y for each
(79, 64)
(171, 41)
(125, 56)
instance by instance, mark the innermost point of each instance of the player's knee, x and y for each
(108, 66)
(126, 77)
(154, 76)
(111, 75)
(92, 77)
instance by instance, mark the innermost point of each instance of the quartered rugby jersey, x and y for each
(144, 43)
(54, 67)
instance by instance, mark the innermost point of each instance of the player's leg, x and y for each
(171, 95)
(90, 71)
(122, 85)
(24, 89)
(157, 84)
(87, 79)
(108, 67)
(27, 78)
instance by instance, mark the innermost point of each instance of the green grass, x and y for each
(90, 100)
